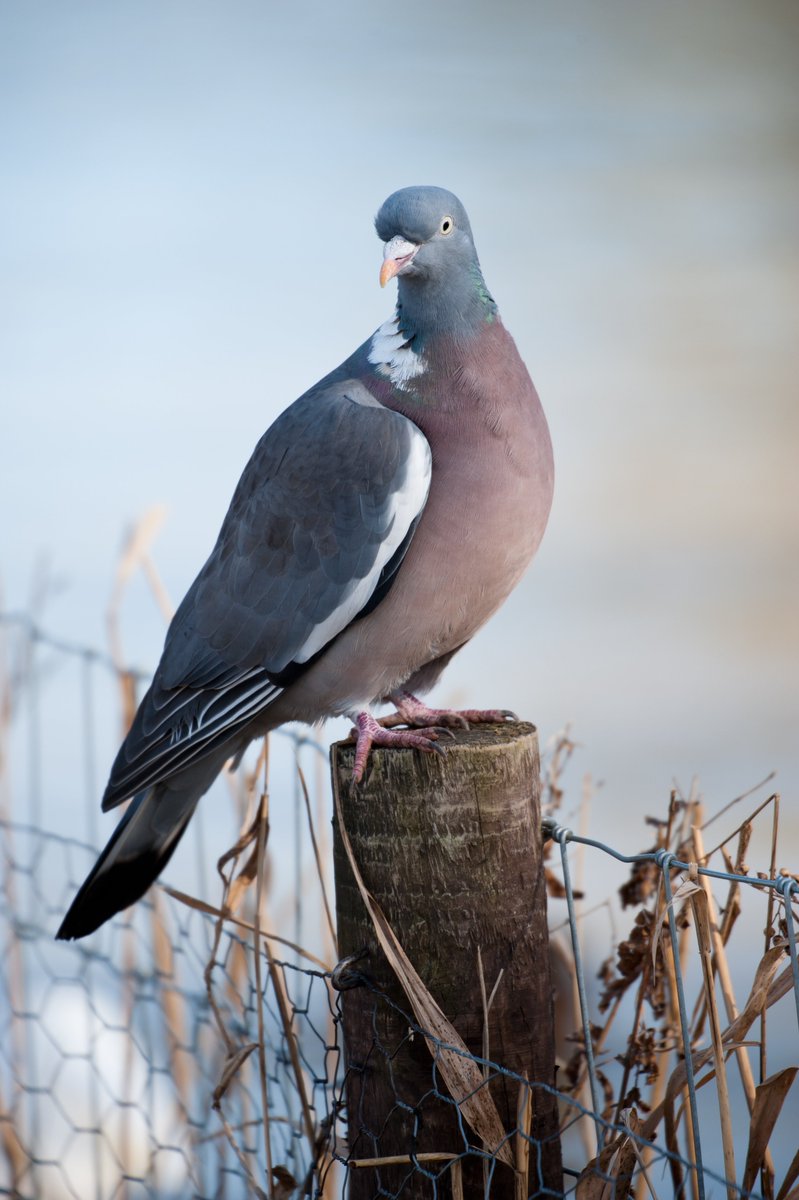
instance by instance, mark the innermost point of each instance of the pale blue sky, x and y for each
(186, 196)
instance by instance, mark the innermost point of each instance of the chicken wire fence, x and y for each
(165, 1057)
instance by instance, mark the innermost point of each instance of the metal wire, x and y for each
(119, 1057)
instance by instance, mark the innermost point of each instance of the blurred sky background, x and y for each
(186, 198)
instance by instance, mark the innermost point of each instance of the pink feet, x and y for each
(371, 733)
(412, 712)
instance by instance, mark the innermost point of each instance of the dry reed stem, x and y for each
(656, 1093)
(208, 973)
(731, 913)
(257, 1190)
(671, 1122)
(223, 916)
(567, 1018)
(127, 690)
(743, 796)
(487, 1001)
(725, 980)
(400, 1160)
(263, 834)
(583, 830)
(428, 1156)
(521, 1140)
(558, 751)
(692, 814)
(485, 1048)
(325, 835)
(732, 909)
(775, 822)
(699, 903)
(658, 1087)
(135, 554)
(320, 873)
(766, 991)
(16, 1156)
(456, 1179)
(283, 1003)
(738, 828)
(235, 1056)
(172, 1004)
(281, 995)
(668, 1101)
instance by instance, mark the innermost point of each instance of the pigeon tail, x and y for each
(139, 849)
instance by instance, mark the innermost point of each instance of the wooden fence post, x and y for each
(450, 848)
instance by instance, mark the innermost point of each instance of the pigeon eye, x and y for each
(447, 225)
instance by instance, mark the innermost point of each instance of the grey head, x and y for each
(430, 250)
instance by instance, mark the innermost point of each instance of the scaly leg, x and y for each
(369, 732)
(411, 711)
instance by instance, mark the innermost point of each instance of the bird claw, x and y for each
(369, 732)
(423, 727)
(412, 712)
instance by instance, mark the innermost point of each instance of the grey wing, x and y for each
(314, 536)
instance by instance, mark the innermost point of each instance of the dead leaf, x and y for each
(242, 882)
(285, 1183)
(555, 887)
(609, 1176)
(791, 1176)
(769, 1099)
(643, 882)
(233, 1063)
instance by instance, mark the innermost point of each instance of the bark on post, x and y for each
(451, 850)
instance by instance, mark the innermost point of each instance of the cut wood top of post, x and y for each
(470, 749)
(495, 734)
(483, 737)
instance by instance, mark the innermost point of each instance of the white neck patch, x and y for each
(392, 356)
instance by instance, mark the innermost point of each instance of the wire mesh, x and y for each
(174, 1053)
(114, 1051)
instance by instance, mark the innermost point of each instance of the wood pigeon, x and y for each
(381, 520)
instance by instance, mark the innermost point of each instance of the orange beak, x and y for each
(396, 255)
(388, 270)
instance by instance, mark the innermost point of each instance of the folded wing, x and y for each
(315, 535)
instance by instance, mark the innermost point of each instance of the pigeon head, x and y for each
(428, 246)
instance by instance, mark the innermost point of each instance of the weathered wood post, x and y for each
(450, 848)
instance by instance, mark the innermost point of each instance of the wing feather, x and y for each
(313, 539)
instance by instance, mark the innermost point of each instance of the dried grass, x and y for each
(640, 976)
(653, 1083)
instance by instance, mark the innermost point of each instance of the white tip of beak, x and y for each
(396, 255)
